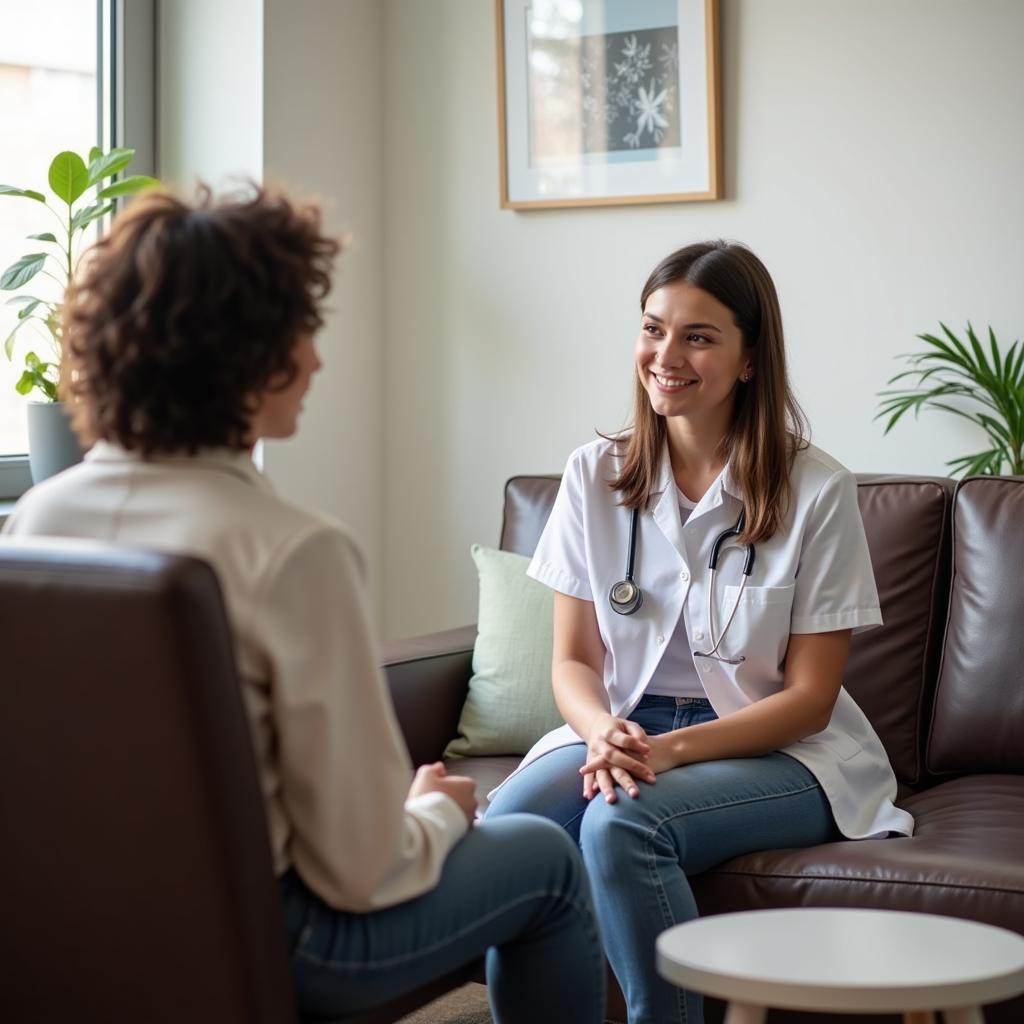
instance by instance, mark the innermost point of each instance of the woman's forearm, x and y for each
(813, 677)
(766, 725)
(579, 694)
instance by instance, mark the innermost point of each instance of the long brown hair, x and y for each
(768, 425)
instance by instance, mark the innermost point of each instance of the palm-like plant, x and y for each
(992, 381)
(70, 178)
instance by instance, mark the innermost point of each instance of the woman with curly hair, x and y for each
(190, 335)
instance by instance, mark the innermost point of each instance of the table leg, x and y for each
(964, 1015)
(745, 1013)
(919, 1017)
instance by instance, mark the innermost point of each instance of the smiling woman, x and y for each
(705, 716)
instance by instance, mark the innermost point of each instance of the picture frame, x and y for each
(608, 102)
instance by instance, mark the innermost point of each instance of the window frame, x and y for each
(125, 109)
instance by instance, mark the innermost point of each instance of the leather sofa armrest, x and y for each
(429, 678)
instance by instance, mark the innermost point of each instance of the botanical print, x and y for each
(616, 92)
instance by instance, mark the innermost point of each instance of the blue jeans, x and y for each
(514, 889)
(640, 852)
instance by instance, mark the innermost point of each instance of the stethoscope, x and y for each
(625, 597)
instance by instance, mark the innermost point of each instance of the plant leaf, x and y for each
(22, 271)
(85, 216)
(980, 463)
(979, 353)
(68, 176)
(996, 362)
(94, 153)
(26, 311)
(129, 186)
(34, 377)
(9, 341)
(10, 190)
(46, 236)
(107, 164)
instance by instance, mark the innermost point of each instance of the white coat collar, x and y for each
(725, 481)
(665, 503)
(230, 460)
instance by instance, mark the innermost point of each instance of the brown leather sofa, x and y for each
(942, 682)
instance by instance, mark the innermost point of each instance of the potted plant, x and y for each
(52, 446)
(985, 387)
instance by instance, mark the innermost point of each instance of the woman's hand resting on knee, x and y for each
(617, 753)
(434, 778)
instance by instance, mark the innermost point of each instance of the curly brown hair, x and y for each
(183, 315)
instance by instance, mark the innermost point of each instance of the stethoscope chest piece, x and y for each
(625, 597)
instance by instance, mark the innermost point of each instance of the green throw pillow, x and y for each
(510, 705)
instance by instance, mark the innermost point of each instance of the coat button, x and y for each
(660, 639)
(684, 575)
(698, 634)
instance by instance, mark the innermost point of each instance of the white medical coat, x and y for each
(814, 575)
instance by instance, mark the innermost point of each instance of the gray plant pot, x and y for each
(52, 447)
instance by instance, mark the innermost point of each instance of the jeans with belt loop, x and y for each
(640, 852)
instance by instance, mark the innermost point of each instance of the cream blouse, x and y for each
(333, 766)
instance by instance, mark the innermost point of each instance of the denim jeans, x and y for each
(640, 852)
(514, 889)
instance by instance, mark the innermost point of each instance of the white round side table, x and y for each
(857, 961)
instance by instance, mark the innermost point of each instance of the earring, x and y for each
(746, 377)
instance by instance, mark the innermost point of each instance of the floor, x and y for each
(466, 1005)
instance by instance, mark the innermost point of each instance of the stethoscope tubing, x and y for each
(625, 597)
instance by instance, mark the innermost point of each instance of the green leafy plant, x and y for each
(70, 179)
(990, 383)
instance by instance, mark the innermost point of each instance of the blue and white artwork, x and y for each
(613, 94)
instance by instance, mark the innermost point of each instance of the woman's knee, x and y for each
(537, 847)
(550, 787)
(610, 834)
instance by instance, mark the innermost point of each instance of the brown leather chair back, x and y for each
(137, 873)
(978, 723)
(891, 669)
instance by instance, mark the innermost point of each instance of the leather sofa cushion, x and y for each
(890, 670)
(907, 524)
(486, 771)
(978, 722)
(528, 503)
(964, 860)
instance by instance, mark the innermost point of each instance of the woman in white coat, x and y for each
(704, 706)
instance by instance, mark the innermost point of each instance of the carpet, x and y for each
(466, 1005)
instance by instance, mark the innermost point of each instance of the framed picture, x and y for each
(605, 102)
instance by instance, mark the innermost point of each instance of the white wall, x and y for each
(209, 89)
(291, 93)
(323, 107)
(873, 154)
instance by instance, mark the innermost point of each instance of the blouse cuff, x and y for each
(442, 811)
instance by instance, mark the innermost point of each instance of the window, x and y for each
(73, 74)
(48, 102)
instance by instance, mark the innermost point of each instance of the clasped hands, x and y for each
(434, 778)
(618, 753)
